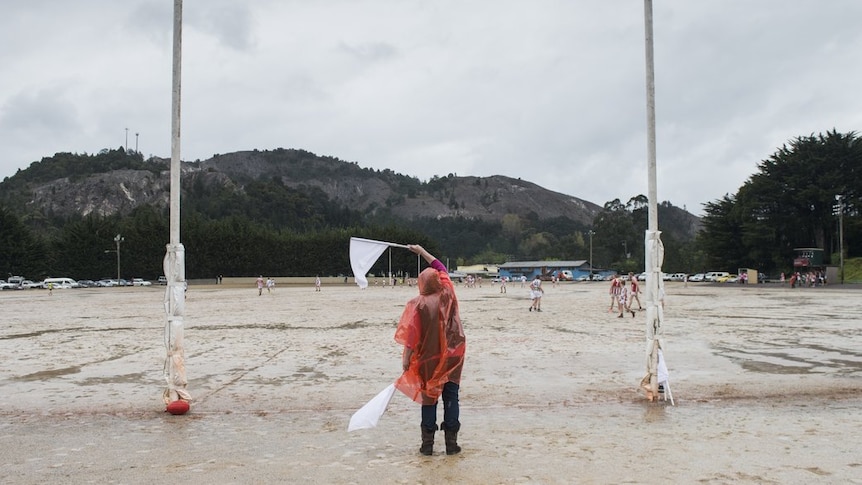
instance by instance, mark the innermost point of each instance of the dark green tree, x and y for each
(84, 248)
(721, 235)
(617, 238)
(24, 253)
(787, 204)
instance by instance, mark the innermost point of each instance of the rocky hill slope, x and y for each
(59, 187)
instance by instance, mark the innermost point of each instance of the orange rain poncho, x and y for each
(431, 327)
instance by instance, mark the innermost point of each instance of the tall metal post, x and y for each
(841, 234)
(654, 249)
(591, 232)
(174, 263)
(118, 239)
(650, 92)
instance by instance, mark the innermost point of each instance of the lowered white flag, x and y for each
(367, 416)
(663, 377)
(363, 255)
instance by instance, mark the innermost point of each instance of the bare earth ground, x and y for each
(766, 381)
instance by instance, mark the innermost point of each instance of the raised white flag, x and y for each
(363, 254)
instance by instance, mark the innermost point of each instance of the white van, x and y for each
(565, 275)
(715, 275)
(59, 283)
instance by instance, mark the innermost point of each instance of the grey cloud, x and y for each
(231, 23)
(550, 91)
(369, 52)
(40, 112)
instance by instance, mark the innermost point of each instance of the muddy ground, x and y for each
(766, 382)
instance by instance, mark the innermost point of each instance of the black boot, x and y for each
(427, 447)
(452, 447)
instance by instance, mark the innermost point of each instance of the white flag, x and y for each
(367, 416)
(662, 374)
(363, 255)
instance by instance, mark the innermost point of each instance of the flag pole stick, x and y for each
(395, 245)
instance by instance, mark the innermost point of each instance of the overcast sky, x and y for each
(551, 91)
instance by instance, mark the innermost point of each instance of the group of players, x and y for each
(624, 296)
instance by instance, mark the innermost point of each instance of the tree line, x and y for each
(233, 246)
(238, 245)
(273, 229)
(798, 198)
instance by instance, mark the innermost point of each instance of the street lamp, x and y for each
(840, 199)
(626, 250)
(591, 232)
(117, 239)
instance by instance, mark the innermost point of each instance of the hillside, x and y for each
(482, 198)
(60, 187)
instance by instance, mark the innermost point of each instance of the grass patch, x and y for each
(853, 270)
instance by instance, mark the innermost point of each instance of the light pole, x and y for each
(591, 232)
(136, 142)
(118, 239)
(626, 251)
(840, 199)
(127, 140)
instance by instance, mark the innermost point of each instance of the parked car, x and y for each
(106, 283)
(697, 277)
(715, 275)
(140, 282)
(86, 283)
(27, 284)
(59, 283)
(14, 282)
(163, 280)
(564, 275)
(5, 285)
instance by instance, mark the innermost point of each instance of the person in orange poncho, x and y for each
(434, 344)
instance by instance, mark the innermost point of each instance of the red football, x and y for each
(178, 407)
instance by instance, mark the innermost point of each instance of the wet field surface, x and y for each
(766, 382)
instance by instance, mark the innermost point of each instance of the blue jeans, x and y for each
(451, 411)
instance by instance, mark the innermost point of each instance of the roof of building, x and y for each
(543, 264)
(478, 268)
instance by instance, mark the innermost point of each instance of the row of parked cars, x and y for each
(712, 276)
(109, 282)
(19, 283)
